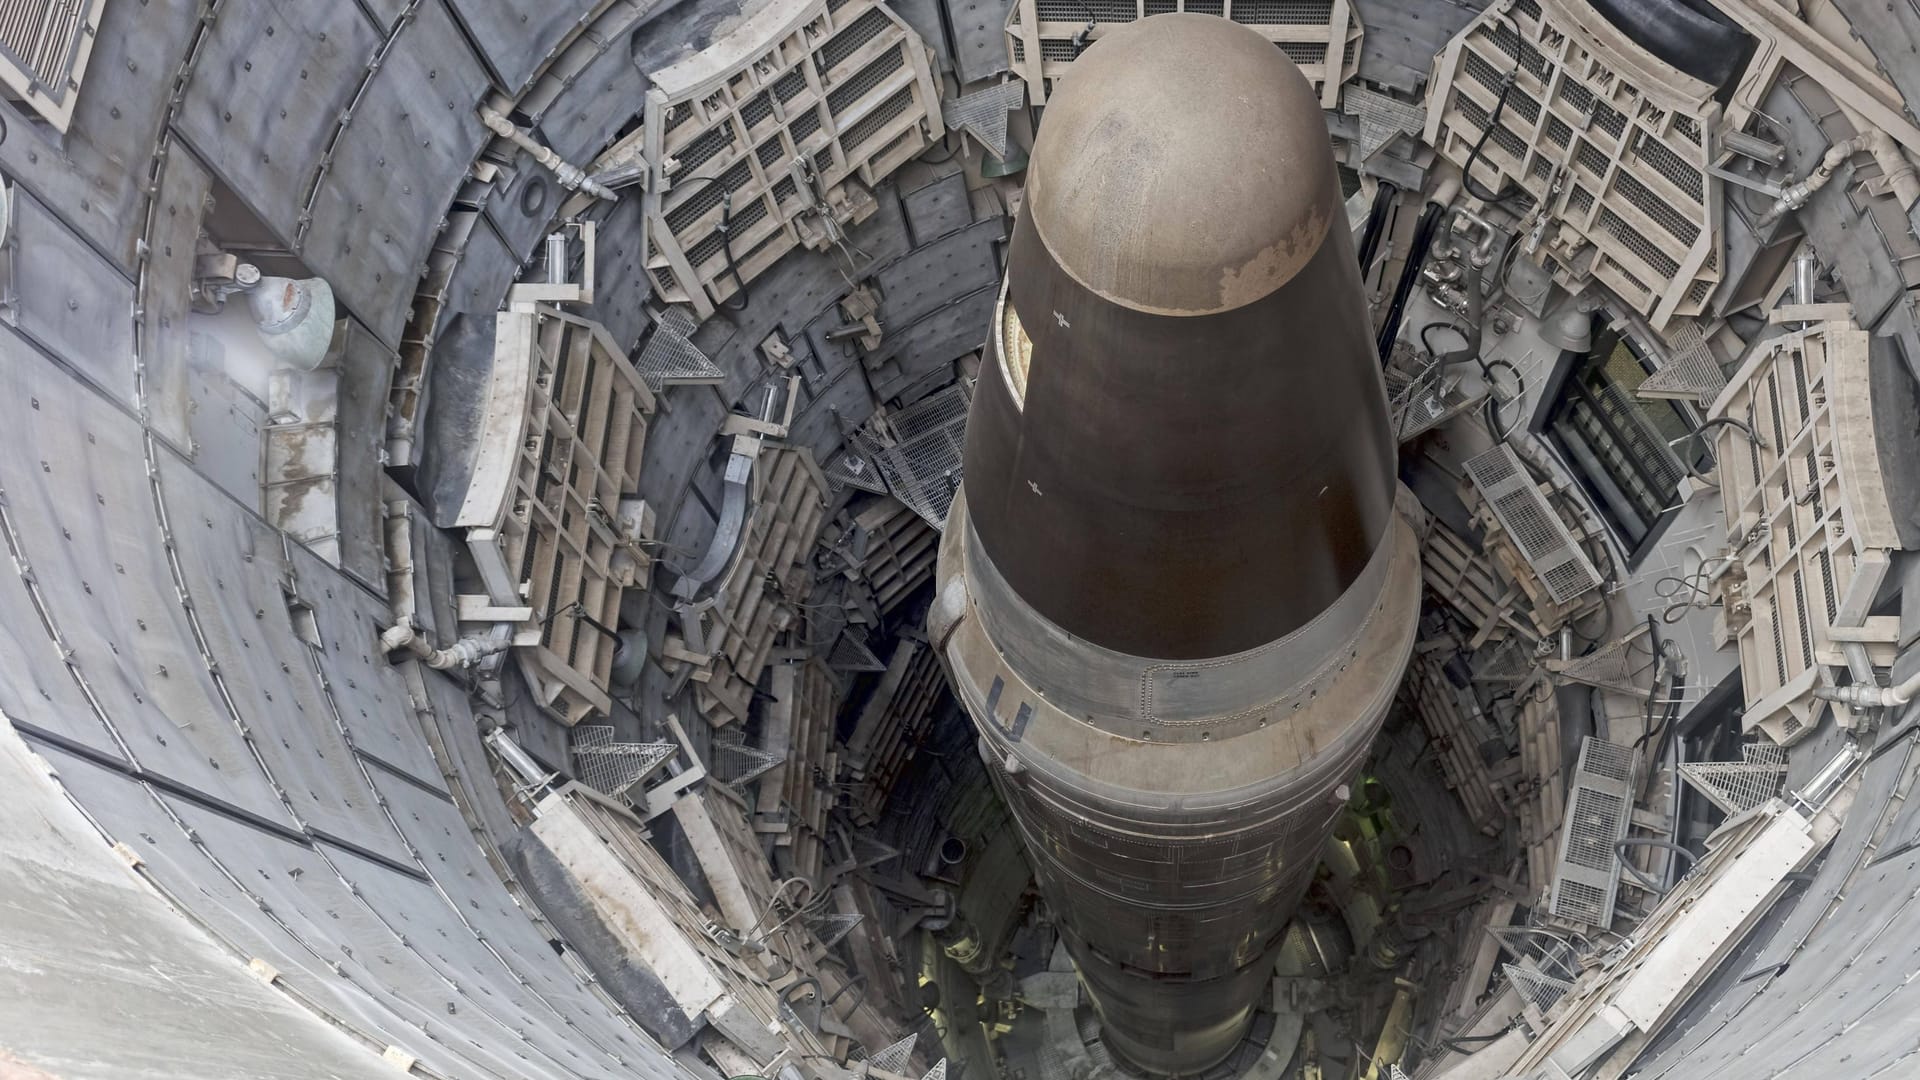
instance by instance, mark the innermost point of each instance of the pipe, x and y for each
(1866, 696)
(1482, 252)
(463, 653)
(1895, 166)
(570, 175)
(529, 770)
(1473, 316)
(1795, 195)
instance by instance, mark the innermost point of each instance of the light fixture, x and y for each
(295, 319)
(1569, 328)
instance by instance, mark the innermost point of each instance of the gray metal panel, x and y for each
(924, 17)
(979, 37)
(933, 275)
(396, 168)
(480, 280)
(34, 686)
(339, 905)
(385, 13)
(98, 173)
(264, 897)
(1402, 38)
(366, 372)
(456, 385)
(233, 568)
(516, 36)
(467, 760)
(522, 202)
(945, 335)
(601, 100)
(1854, 244)
(268, 89)
(938, 208)
(1889, 31)
(844, 393)
(184, 184)
(451, 856)
(72, 301)
(370, 694)
(133, 1000)
(32, 159)
(1853, 915)
(678, 441)
(74, 475)
(621, 282)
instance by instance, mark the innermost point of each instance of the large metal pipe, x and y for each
(1173, 591)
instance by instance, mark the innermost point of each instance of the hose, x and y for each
(1507, 191)
(726, 246)
(1409, 276)
(1493, 400)
(1620, 852)
(1383, 197)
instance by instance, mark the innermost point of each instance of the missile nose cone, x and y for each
(1183, 167)
(1182, 449)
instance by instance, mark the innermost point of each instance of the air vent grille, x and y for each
(1599, 804)
(44, 47)
(1538, 532)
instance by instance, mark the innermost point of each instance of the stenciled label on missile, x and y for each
(1020, 717)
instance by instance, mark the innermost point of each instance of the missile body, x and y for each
(1173, 592)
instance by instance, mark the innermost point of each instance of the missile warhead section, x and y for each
(1173, 591)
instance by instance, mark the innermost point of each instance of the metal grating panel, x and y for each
(1690, 371)
(830, 929)
(1381, 117)
(850, 40)
(1319, 36)
(1428, 400)
(611, 766)
(938, 1072)
(1668, 164)
(851, 469)
(735, 763)
(670, 359)
(894, 1058)
(1541, 990)
(1739, 786)
(1272, 12)
(1599, 805)
(1616, 666)
(983, 113)
(937, 410)
(851, 654)
(1538, 532)
(869, 77)
(857, 134)
(923, 468)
